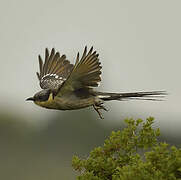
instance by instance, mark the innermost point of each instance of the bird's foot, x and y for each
(97, 107)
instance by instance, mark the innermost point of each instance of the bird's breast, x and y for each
(70, 103)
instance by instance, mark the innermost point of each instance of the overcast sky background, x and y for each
(139, 43)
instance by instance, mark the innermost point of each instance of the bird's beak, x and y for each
(30, 99)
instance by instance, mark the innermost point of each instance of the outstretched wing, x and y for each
(86, 72)
(54, 71)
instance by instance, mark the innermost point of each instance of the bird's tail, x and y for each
(152, 95)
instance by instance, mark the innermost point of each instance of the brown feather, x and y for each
(60, 64)
(40, 65)
(38, 75)
(85, 73)
(54, 70)
(53, 62)
(46, 61)
(77, 59)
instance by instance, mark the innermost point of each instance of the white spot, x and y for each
(101, 96)
(52, 74)
(45, 75)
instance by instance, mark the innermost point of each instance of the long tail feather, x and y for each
(152, 95)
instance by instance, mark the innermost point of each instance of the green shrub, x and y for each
(131, 154)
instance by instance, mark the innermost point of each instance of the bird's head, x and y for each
(42, 98)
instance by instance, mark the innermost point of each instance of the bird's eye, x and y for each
(42, 95)
(41, 98)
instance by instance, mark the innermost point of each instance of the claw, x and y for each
(104, 108)
(97, 107)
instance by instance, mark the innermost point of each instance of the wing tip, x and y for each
(91, 49)
(85, 49)
(46, 52)
(53, 51)
(38, 75)
(39, 57)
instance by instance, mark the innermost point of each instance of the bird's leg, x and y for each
(97, 109)
(102, 107)
(99, 106)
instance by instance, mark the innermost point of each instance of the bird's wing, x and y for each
(86, 73)
(54, 71)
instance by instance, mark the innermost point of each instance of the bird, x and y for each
(71, 87)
